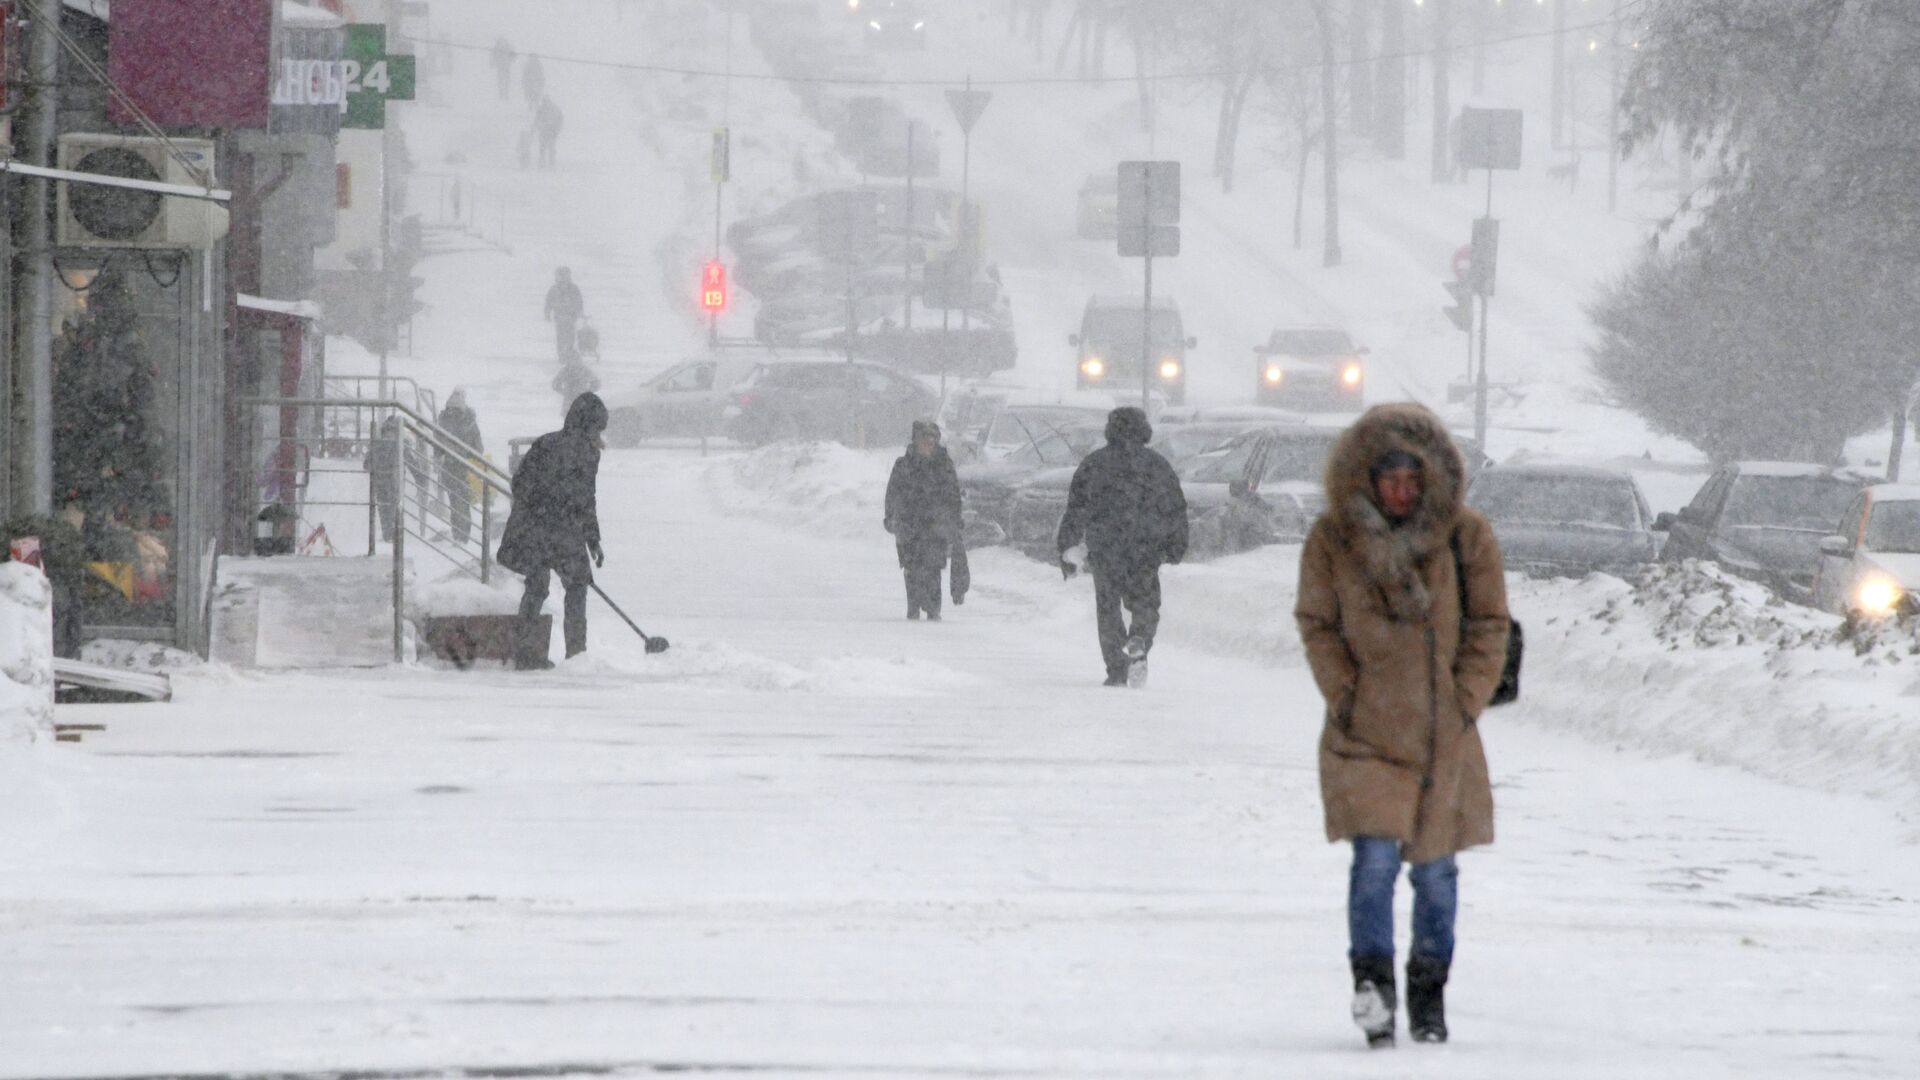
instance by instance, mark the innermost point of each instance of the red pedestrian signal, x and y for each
(713, 287)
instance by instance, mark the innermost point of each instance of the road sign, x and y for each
(1486, 254)
(1159, 241)
(713, 287)
(1489, 138)
(1149, 193)
(1461, 313)
(371, 78)
(721, 163)
(1462, 262)
(967, 107)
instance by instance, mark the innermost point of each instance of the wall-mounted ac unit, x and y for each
(94, 215)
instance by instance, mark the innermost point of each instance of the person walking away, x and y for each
(533, 81)
(923, 514)
(1125, 502)
(547, 122)
(383, 453)
(586, 341)
(503, 65)
(457, 419)
(1405, 674)
(554, 528)
(564, 308)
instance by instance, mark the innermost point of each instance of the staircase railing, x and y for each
(381, 456)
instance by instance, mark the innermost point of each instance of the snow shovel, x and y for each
(654, 644)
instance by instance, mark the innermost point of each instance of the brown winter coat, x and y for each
(1379, 614)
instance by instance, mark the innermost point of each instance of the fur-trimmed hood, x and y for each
(1393, 552)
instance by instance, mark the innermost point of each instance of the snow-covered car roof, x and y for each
(1128, 300)
(1894, 493)
(1195, 414)
(1558, 469)
(1783, 468)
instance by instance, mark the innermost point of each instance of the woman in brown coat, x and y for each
(1405, 677)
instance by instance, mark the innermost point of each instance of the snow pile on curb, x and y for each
(26, 653)
(1690, 660)
(822, 487)
(722, 666)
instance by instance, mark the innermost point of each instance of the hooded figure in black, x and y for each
(923, 514)
(1126, 503)
(555, 525)
(458, 420)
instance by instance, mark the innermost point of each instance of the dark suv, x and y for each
(1762, 520)
(1111, 339)
(848, 401)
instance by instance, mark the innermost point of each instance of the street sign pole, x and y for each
(967, 106)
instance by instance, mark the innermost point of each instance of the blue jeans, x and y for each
(1436, 897)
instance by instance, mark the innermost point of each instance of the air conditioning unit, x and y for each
(95, 215)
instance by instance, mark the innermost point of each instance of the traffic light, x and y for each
(713, 287)
(1461, 312)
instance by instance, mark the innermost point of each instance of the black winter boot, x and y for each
(1373, 998)
(1426, 999)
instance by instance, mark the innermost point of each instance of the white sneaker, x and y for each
(1137, 674)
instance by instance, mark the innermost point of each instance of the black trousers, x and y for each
(1136, 587)
(921, 561)
(574, 606)
(459, 503)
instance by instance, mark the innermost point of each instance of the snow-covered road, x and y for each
(817, 840)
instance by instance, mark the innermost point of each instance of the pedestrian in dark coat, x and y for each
(533, 81)
(564, 307)
(456, 476)
(383, 453)
(1125, 502)
(923, 514)
(555, 525)
(1405, 674)
(547, 122)
(503, 65)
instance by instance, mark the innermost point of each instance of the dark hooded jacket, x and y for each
(555, 516)
(923, 495)
(1125, 501)
(1403, 674)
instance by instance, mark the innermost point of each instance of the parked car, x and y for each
(1266, 486)
(988, 488)
(1317, 369)
(1097, 216)
(1017, 427)
(825, 397)
(1871, 568)
(684, 400)
(1762, 520)
(1113, 334)
(1566, 520)
(1033, 512)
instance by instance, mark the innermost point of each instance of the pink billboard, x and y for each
(192, 63)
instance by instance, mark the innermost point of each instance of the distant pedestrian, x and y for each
(573, 379)
(457, 477)
(1125, 502)
(383, 455)
(586, 340)
(554, 528)
(547, 122)
(564, 308)
(503, 57)
(1405, 674)
(533, 81)
(923, 514)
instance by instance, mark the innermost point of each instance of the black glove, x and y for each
(599, 557)
(1067, 569)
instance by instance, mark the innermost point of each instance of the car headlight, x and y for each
(1274, 374)
(1877, 596)
(853, 5)
(921, 25)
(1093, 367)
(1352, 375)
(874, 23)
(1169, 369)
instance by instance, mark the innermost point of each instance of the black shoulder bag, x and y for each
(1509, 688)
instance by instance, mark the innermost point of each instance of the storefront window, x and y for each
(117, 399)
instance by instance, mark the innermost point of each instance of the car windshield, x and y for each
(1013, 429)
(1309, 342)
(1297, 459)
(1219, 466)
(1108, 328)
(1057, 448)
(1811, 503)
(1178, 444)
(1555, 500)
(1894, 527)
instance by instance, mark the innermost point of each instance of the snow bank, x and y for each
(725, 667)
(1690, 660)
(26, 653)
(823, 487)
(456, 594)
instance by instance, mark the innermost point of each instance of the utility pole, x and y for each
(33, 448)
(1613, 112)
(722, 166)
(906, 245)
(1557, 99)
(1442, 159)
